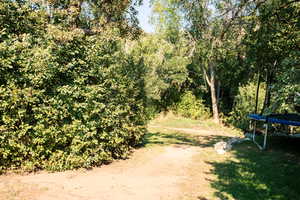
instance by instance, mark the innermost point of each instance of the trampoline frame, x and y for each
(267, 121)
(262, 119)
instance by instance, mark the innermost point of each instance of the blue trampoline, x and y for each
(286, 119)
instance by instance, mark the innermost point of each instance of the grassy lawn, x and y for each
(252, 174)
(172, 121)
(243, 173)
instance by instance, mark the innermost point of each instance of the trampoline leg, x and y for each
(254, 130)
(253, 136)
(265, 137)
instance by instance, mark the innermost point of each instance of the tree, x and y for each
(93, 16)
(272, 47)
(216, 29)
(166, 68)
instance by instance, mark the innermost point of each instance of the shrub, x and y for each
(244, 104)
(67, 100)
(191, 107)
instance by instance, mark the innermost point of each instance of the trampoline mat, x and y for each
(287, 119)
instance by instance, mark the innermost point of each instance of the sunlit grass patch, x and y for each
(171, 120)
(243, 173)
(253, 174)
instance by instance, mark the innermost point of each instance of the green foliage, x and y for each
(286, 88)
(272, 48)
(191, 107)
(76, 91)
(167, 19)
(253, 37)
(67, 100)
(166, 65)
(245, 104)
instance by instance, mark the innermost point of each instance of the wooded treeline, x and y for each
(234, 43)
(79, 79)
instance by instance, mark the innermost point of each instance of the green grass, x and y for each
(171, 120)
(253, 174)
(244, 173)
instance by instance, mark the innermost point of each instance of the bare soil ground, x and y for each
(158, 172)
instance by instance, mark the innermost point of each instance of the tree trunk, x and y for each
(214, 100)
(257, 93)
(269, 77)
(211, 81)
(266, 92)
(218, 93)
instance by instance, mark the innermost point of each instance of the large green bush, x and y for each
(244, 104)
(191, 107)
(67, 100)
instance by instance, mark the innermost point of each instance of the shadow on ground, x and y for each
(253, 174)
(179, 138)
(249, 173)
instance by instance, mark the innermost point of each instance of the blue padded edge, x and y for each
(281, 121)
(273, 120)
(257, 117)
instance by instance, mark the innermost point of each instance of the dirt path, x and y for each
(173, 172)
(153, 173)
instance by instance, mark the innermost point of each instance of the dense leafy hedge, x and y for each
(67, 100)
